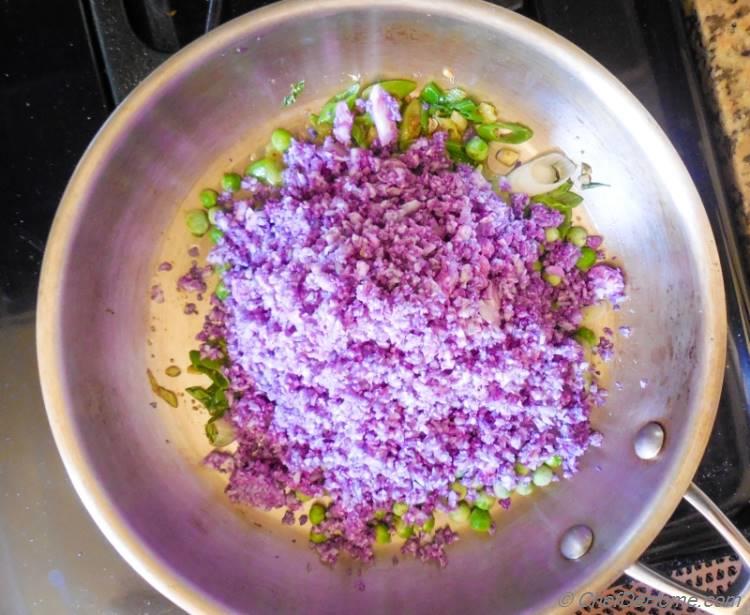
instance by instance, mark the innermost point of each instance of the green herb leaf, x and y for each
(294, 91)
(561, 198)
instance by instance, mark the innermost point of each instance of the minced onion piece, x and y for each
(500, 157)
(542, 174)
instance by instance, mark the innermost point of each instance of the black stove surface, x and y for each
(60, 78)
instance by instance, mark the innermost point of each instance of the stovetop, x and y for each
(65, 65)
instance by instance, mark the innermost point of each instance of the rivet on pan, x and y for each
(649, 441)
(576, 542)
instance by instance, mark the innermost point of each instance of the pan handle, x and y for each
(736, 600)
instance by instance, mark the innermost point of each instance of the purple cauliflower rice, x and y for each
(388, 330)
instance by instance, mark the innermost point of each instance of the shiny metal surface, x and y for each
(649, 440)
(737, 599)
(137, 468)
(576, 542)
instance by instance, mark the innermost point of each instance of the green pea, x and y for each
(554, 462)
(302, 497)
(281, 139)
(525, 489)
(587, 259)
(585, 336)
(265, 170)
(462, 512)
(400, 508)
(501, 493)
(429, 525)
(552, 278)
(577, 235)
(214, 234)
(197, 222)
(231, 182)
(484, 500)
(317, 538)
(542, 476)
(477, 149)
(459, 488)
(521, 469)
(536, 266)
(480, 520)
(402, 529)
(317, 513)
(382, 535)
(551, 234)
(212, 214)
(222, 292)
(209, 197)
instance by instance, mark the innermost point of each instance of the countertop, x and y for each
(725, 37)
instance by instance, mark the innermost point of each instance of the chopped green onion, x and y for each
(197, 222)
(382, 535)
(317, 538)
(294, 90)
(281, 139)
(577, 235)
(552, 278)
(400, 508)
(542, 476)
(480, 520)
(459, 488)
(505, 132)
(402, 529)
(411, 124)
(209, 197)
(461, 513)
(317, 513)
(265, 170)
(554, 462)
(456, 152)
(396, 87)
(585, 336)
(453, 95)
(587, 259)
(328, 112)
(221, 292)
(432, 93)
(359, 136)
(477, 149)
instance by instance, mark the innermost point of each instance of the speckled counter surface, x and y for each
(725, 37)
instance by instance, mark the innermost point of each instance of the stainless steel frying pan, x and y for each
(137, 468)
